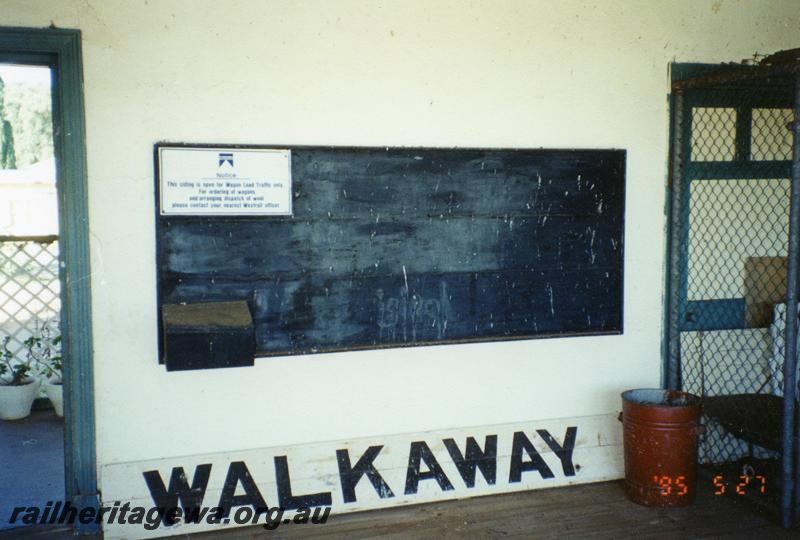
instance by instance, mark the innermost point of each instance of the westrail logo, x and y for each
(225, 164)
(225, 158)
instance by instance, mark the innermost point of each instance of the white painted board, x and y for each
(592, 453)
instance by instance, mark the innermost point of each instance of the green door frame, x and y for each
(61, 50)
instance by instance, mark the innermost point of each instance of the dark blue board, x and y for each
(410, 246)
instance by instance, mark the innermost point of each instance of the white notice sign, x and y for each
(224, 181)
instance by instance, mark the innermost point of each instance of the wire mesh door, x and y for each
(730, 271)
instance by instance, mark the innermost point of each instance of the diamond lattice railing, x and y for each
(29, 287)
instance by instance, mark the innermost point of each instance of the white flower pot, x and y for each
(16, 401)
(56, 394)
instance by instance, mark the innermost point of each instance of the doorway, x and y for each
(59, 51)
(732, 283)
(30, 299)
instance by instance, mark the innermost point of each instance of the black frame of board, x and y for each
(395, 344)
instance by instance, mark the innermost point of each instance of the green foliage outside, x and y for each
(43, 357)
(7, 156)
(26, 124)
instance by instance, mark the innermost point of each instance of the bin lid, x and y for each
(660, 397)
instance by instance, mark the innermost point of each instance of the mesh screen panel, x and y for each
(735, 232)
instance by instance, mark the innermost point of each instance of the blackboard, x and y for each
(394, 247)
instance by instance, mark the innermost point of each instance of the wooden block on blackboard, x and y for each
(207, 335)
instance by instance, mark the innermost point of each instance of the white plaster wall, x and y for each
(565, 74)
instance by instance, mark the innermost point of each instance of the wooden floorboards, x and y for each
(586, 511)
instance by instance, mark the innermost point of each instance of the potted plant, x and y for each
(44, 348)
(18, 385)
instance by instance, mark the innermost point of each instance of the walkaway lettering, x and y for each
(241, 489)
